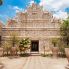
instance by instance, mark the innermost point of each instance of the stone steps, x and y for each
(35, 54)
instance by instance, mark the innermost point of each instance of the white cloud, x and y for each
(31, 2)
(56, 5)
(61, 14)
(17, 9)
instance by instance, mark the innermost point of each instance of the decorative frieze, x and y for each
(35, 24)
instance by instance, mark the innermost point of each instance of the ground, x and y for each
(33, 62)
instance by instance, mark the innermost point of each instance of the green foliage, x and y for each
(24, 42)
(6, 45)
(55, 41)
(24, 45)
(61, 48)
(1, 2)
(64, 31)
(13, 39)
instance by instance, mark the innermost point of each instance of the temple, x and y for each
(36, 24)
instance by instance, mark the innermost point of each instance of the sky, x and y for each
(59, 8)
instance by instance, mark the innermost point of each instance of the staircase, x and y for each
(35, 54)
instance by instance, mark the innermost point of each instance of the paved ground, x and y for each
(33, 62)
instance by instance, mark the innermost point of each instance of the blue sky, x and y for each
(10, 7)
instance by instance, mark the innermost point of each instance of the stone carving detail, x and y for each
(33, 23)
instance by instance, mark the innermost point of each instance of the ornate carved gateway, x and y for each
(38, 25)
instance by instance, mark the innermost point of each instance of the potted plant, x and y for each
(24, 45)
(6, 47)
(1, 51)
(1, 48)
(55, 48)
(64, 30)
(14, 41)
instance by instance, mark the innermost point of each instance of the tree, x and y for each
(1, 2)
(13, 39)
(14, 43)
(64, 31)
(54, 41)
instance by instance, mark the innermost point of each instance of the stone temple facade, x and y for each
(38, 25)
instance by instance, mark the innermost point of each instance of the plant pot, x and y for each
(67, 55)
(1, 65)
(55, 51)
(13, 51)
(1, 51)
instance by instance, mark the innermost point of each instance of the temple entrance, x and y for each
(34, 46)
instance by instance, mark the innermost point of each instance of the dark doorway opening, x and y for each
(34, 46)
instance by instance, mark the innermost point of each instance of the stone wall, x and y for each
(35, 24)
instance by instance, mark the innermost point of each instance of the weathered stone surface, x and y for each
(34, 62)
(35, 24)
